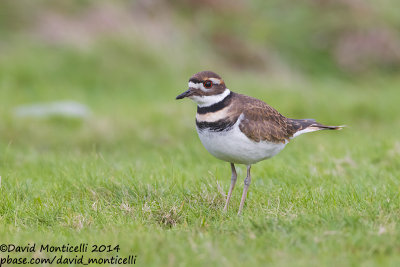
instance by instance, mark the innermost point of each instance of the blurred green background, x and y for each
(128, 59)
(130, 169)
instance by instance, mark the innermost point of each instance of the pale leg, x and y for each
(233, 182)
(246, 187)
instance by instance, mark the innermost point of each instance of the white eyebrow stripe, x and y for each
(215, 80)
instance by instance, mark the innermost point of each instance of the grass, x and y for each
(135, 173)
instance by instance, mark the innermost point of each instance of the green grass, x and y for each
(135, 173)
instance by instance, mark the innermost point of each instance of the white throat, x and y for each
(205, 101)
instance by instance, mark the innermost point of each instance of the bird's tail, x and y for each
(319, 126)
(310, 125)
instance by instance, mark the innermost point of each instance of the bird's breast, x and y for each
(224, 140)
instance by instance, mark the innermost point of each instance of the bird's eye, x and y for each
(207, 84)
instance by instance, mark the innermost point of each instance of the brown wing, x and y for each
(261, 122)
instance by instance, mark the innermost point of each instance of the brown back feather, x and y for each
(262, 122)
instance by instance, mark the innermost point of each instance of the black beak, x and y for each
(183, 95)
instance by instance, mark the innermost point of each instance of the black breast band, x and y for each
(217, 106)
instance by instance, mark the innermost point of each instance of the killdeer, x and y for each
(240, 129)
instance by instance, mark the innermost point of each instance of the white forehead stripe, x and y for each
(195, 85)
(208, 100)
(198, 86)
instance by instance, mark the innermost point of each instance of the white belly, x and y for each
(234, 146)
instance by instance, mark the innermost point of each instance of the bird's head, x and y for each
(205, 88)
